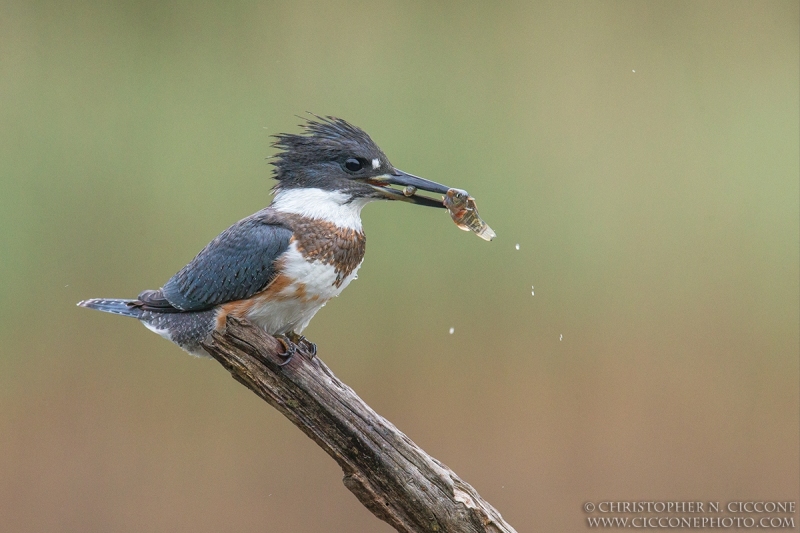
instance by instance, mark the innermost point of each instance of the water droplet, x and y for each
(452, 330)
(560, 337)
(633, 71)
(355, 277)
(517, 246)
(532, 293)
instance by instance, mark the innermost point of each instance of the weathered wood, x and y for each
(389, 474)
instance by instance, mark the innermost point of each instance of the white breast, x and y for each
(314, 283)
(297, 303)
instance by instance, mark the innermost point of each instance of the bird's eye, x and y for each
(353, 164)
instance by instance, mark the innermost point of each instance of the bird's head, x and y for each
(334, 156)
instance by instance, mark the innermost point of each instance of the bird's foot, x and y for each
(289, 349)
(308, 347)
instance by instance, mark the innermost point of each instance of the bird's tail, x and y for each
(113, 305)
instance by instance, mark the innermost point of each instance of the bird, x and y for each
(280, 265)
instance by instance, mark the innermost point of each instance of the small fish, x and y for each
(464, 213)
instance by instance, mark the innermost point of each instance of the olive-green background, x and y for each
(644, 156)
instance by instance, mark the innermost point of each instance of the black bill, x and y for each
(411, 184)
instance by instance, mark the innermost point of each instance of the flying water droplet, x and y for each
(532, 293)
(517, 246)
(452, 330)
(561, 337)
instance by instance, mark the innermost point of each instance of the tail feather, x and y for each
(113, 305)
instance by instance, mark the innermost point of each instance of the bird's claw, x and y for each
(289, 349)
(291, 342)
(308, 347)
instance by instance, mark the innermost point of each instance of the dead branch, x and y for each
(389, 474)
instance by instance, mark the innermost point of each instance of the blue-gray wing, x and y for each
(237, 264)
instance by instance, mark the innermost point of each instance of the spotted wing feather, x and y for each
(237, 264)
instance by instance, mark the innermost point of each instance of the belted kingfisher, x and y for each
(279, 266)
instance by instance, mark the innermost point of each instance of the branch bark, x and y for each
(389, 474)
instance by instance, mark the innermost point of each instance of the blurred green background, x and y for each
(644, 156)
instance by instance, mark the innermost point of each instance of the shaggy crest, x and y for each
(324, 140)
